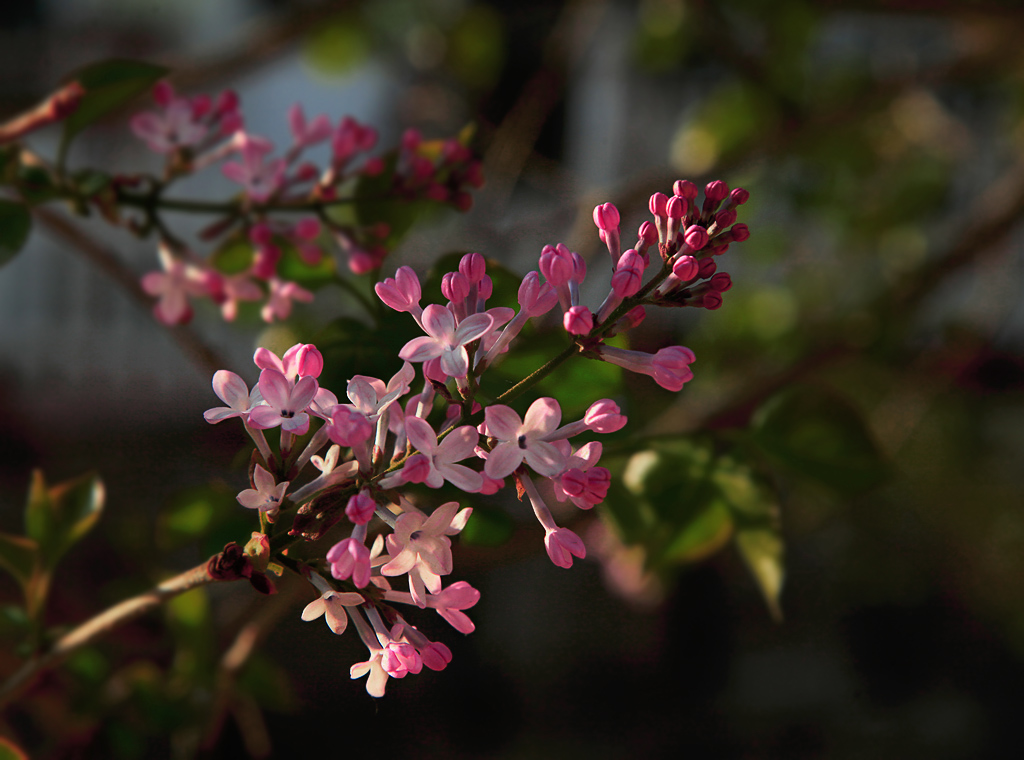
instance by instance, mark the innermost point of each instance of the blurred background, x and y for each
(883, 147)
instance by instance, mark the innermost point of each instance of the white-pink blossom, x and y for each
(522, 440)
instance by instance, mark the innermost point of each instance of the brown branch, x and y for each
(102, 624)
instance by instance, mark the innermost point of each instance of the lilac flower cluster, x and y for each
(388, 434)
(198, 132)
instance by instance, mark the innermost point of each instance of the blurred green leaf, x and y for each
(338, 46)
(19, 556)
(108, 85)
(15, 225)
(291, 267)
(762, 550)
(57, 517)
(817, 434)
(234, 255)
(487, 527)
(35, 184)
(476, 47)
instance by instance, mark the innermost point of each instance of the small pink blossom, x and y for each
(285, 404)
(305, 134)
(360, 508)
(445, 341)
(267, 495)
(232, 390)
(522, 440)
(178, 126)
(441, 457)
(331, 605)
(578, 320)
(260, 178)
(421, 548)
(282, 293)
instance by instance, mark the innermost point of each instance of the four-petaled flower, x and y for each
(286, 403)
(522, 440)
(445, 341)
(267, 495)
(420, 547)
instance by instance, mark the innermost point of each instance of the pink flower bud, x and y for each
(536, 297)
(712, 300)
(163, 93)
(648, 233)
(599, 480)
(633, 317)
(360, 508)
(350, 558)
(308, 228)
(725, 219)
(706, 268)
(739, 232)
(573, 482)
(264, 265)
(604, 417)
(455, 287)
(348, 427)
(436, 656)
(578, 320)
(685, 268)
(672, 367)
(473, 267)
(562, 545)
(401, 293)
(739, 196)
(556, 264)
(684, 189)
(309, 362)
(696, 237)
(628, 274)
(676, 207)
(721, 281)
(606, 217)
(399, 659)
(716, 191)
(411, 140)
(485, 288)
(657, 205)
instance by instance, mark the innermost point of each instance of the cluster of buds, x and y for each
(195, 133)
(441, 429)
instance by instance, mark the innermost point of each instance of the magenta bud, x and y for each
(485, 288)
(706, 268)
(716, 191)
(676, 207)
(227, 102)
(163, 93)
(578, 320)
(201, 105)
(261, 234)
(309, 361)
(684, 189)
(721, 281)
(725, 219)
(411, 140)
(648, 233)
(685, 268)
(455, 287)
(696, 237)
(473, 267)
(740, 232)
(712, 300)
(657, 204)
(739, 196)
(606, 216)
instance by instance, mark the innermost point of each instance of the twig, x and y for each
(102, 624)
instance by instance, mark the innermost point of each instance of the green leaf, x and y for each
(108, 85)
(19, 556)
(15, 224)
(57, 517)
(762, 550)
(817, 434)
(702, 535)
(234, 255)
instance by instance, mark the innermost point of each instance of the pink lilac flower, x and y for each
(173, 287)
(445, 341)
(232, 390)
(402, 292)
(522, 440)
(439, 458)
(301, 360)
(420, 547)
(267, 495)
(282, 293)
(285, 404)
(237, 287)
(562, 545)
(305, 134)
(178, 126)
(260, 178)
(449, 604)
(331, 605)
